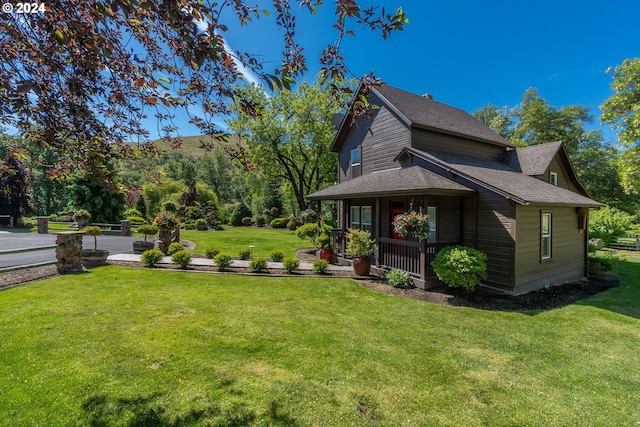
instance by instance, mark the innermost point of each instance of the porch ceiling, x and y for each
(393, 182)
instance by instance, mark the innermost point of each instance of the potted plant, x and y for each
(412, 222)
(139, 246)
(325, 251)
(82, 217)
(319, 237)
(360, 246)
(94, 257)
(168, 229)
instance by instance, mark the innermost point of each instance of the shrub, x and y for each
(211, 252)
(258, 265)
(320, 266)
(175, 247)
(137, 220)
(148, 230)
(190, 225)
(244, 253)
(151, 257)
(82, 215)
(460, 266)
(194, 213)
(247, 221)
(607, 223)
(260, 221)
(182, 258)
(170, 207)
(279, 222)
(293, 223)
(290, 264)
(399, 279)
(359, 244)
(132, 212)
(602, 263)
(276, 255)
(239, 212)
(308, 215)
(319, 237)
(201, 225)
(222, 261)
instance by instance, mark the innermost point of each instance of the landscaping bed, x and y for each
(543, 299)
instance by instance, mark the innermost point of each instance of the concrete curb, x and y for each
(22, 267)
(16, 251)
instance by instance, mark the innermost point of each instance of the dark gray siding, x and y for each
(492, 230)
(431, 141)
(381, 136)
(567, 249)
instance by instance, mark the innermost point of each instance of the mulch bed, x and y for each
(543, 299)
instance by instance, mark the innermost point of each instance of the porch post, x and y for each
(423, 260)
(376, 221)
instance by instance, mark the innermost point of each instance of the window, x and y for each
(546, 236)
(356, 167)
(361, 218)
(433, 218)
(553, 178)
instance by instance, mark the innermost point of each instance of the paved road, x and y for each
(15, 241)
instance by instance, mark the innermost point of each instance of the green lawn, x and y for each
(232, 239)
(134, 347)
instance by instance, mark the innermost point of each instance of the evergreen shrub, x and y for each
(175, 247)
(223, 261)
(399, 279)
(320, 266)
(258, 265)
(276, 255)
(151, 257)
(460, 266)
(182, 258)
(290, 264)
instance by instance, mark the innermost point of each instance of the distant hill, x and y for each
(191, 145)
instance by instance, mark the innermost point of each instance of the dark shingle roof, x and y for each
(414, 180)
(427, 113)
(532, 160)
(502, 179)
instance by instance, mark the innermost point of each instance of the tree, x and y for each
(14, 186)
(80, 76)
(103, 199)
(621, 110)
(289, 137)
(534, 122)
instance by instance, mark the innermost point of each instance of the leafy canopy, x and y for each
(84, 75)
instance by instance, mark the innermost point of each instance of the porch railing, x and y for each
(413, 257)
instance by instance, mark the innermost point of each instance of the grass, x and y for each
(122, 346)
(232, 239)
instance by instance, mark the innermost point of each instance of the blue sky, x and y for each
(471, 53)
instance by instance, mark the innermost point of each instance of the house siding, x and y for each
(489, 226)
(428, 141)
(563, 176)
(381, 136)
(567, 246)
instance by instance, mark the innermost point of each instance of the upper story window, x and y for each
(356, 165)
(553, 178)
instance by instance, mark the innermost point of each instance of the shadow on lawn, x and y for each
(151, 411)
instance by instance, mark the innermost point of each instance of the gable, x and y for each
(542, 159)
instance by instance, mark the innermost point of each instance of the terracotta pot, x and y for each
(326, 254)
(361, 266)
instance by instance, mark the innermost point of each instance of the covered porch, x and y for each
(371, 202)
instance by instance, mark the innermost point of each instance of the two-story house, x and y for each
(523, 207)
